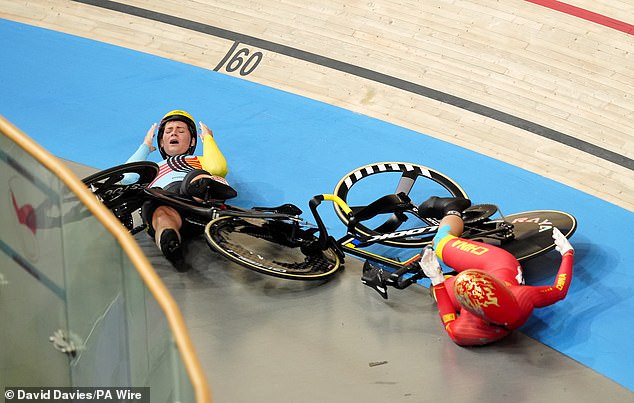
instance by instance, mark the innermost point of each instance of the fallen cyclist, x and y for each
(198, 177)
(487, 299)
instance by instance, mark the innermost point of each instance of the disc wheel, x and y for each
(533, 232)
(270, 246)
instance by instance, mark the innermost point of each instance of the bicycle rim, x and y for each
(255, 244)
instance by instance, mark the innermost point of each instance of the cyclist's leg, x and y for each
(164, 224)
(458, 253)
(149, 207)
(166, 218)
(167, 223)
(463, 254)
(450, 226)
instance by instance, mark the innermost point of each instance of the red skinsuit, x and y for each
(467, 329)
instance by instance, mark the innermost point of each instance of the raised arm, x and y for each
(146, 147)
(140, 154)
(212, 159)
(433, 271)
(548, 295)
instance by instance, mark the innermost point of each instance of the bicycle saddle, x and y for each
(392, 203)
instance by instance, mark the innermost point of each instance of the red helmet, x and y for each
(487, 297)
(183, 117)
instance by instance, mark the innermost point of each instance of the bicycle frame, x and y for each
(405, 272)
(351, 243)
(354, 240)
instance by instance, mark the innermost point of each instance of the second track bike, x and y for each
(389, 232)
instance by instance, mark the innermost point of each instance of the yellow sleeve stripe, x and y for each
(442, 243)
(450, 317)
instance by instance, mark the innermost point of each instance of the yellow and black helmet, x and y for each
(181, 116)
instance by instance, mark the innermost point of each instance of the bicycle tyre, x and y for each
(105, 184)
(252, 243)
(533, 232)
(410, 173)
(123, 200)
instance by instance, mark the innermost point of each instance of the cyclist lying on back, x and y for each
(487, 299)
(201, 178)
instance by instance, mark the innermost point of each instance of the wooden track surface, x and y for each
(525, 84)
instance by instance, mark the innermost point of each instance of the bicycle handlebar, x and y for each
(314, 203)
(392, 203)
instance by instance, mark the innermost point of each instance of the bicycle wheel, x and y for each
(124, 200)
(107, 186)
(533, 231)
(417, 181)
(270, 246)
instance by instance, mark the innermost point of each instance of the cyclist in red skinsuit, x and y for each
(487, 299)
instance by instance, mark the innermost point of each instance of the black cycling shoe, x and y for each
(170, 245)
(438, 207)
(210, 189)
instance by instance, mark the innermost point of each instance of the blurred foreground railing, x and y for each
(80, 305)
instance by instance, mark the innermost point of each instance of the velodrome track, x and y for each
(99, 100)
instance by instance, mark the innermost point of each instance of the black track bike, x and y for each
(271, 240)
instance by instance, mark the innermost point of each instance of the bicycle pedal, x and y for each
(373, 277)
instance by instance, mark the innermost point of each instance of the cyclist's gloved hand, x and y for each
(561, 242)
(430, 266)
(149, 137)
